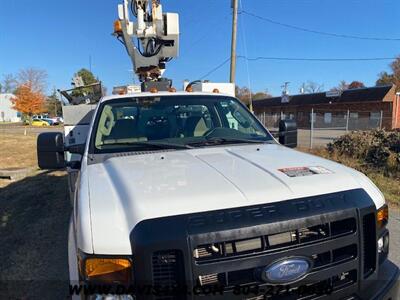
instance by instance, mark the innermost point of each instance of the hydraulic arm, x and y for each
(151, 40)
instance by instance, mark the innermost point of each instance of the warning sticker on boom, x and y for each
(304, 171)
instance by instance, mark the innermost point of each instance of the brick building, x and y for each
(361, 108)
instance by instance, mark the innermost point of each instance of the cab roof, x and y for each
(164, 94)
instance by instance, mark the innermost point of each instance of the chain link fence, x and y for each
(317, 127)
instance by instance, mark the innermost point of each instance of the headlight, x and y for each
(383, 244)
(382, 216)
(107, 270)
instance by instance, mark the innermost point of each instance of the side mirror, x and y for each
(76, 149)
(288, 133)
(50, 150)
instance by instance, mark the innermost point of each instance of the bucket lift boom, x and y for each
(151, 40)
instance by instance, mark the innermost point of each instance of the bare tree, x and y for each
(35, 78)
(343, 85)
(9, 83)
(243, 94)
(312, 87)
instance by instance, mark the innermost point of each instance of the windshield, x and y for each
(174, 122)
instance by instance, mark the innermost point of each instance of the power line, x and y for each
(216, 68)
(297, 59)
(317, 59)
(346, 36)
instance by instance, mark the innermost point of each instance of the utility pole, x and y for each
(285, 87)
(235, 6)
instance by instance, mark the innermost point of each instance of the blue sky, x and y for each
(59, 36)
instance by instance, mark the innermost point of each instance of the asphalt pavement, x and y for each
(28, 130)
(394, 229)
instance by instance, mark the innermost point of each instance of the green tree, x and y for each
(53, 105)
(87, 78)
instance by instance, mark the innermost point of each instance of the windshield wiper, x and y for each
(151, 144)
(221, 141)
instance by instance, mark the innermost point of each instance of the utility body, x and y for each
(189, 191)
(186, 195)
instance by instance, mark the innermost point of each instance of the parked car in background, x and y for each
(40, 117)
(39, 123)
(50, 121)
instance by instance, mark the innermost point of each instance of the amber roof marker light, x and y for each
(117, 27)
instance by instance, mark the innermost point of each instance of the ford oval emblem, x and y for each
(287, 270)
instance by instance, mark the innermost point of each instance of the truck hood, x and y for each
(127, 189)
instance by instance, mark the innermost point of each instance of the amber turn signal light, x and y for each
(108, 270)
(382, 216)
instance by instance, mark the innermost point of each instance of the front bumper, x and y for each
(387, 286)
(338, 231)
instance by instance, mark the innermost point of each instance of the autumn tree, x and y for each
(244, 94)
(356, 85)
(261, 95)
(386, 78)
(28, 101)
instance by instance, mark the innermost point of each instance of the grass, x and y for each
(17, 151)
(389, 185)
(34, 217)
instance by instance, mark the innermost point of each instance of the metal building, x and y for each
(7, 113)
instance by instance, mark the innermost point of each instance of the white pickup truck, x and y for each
(183, 195)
